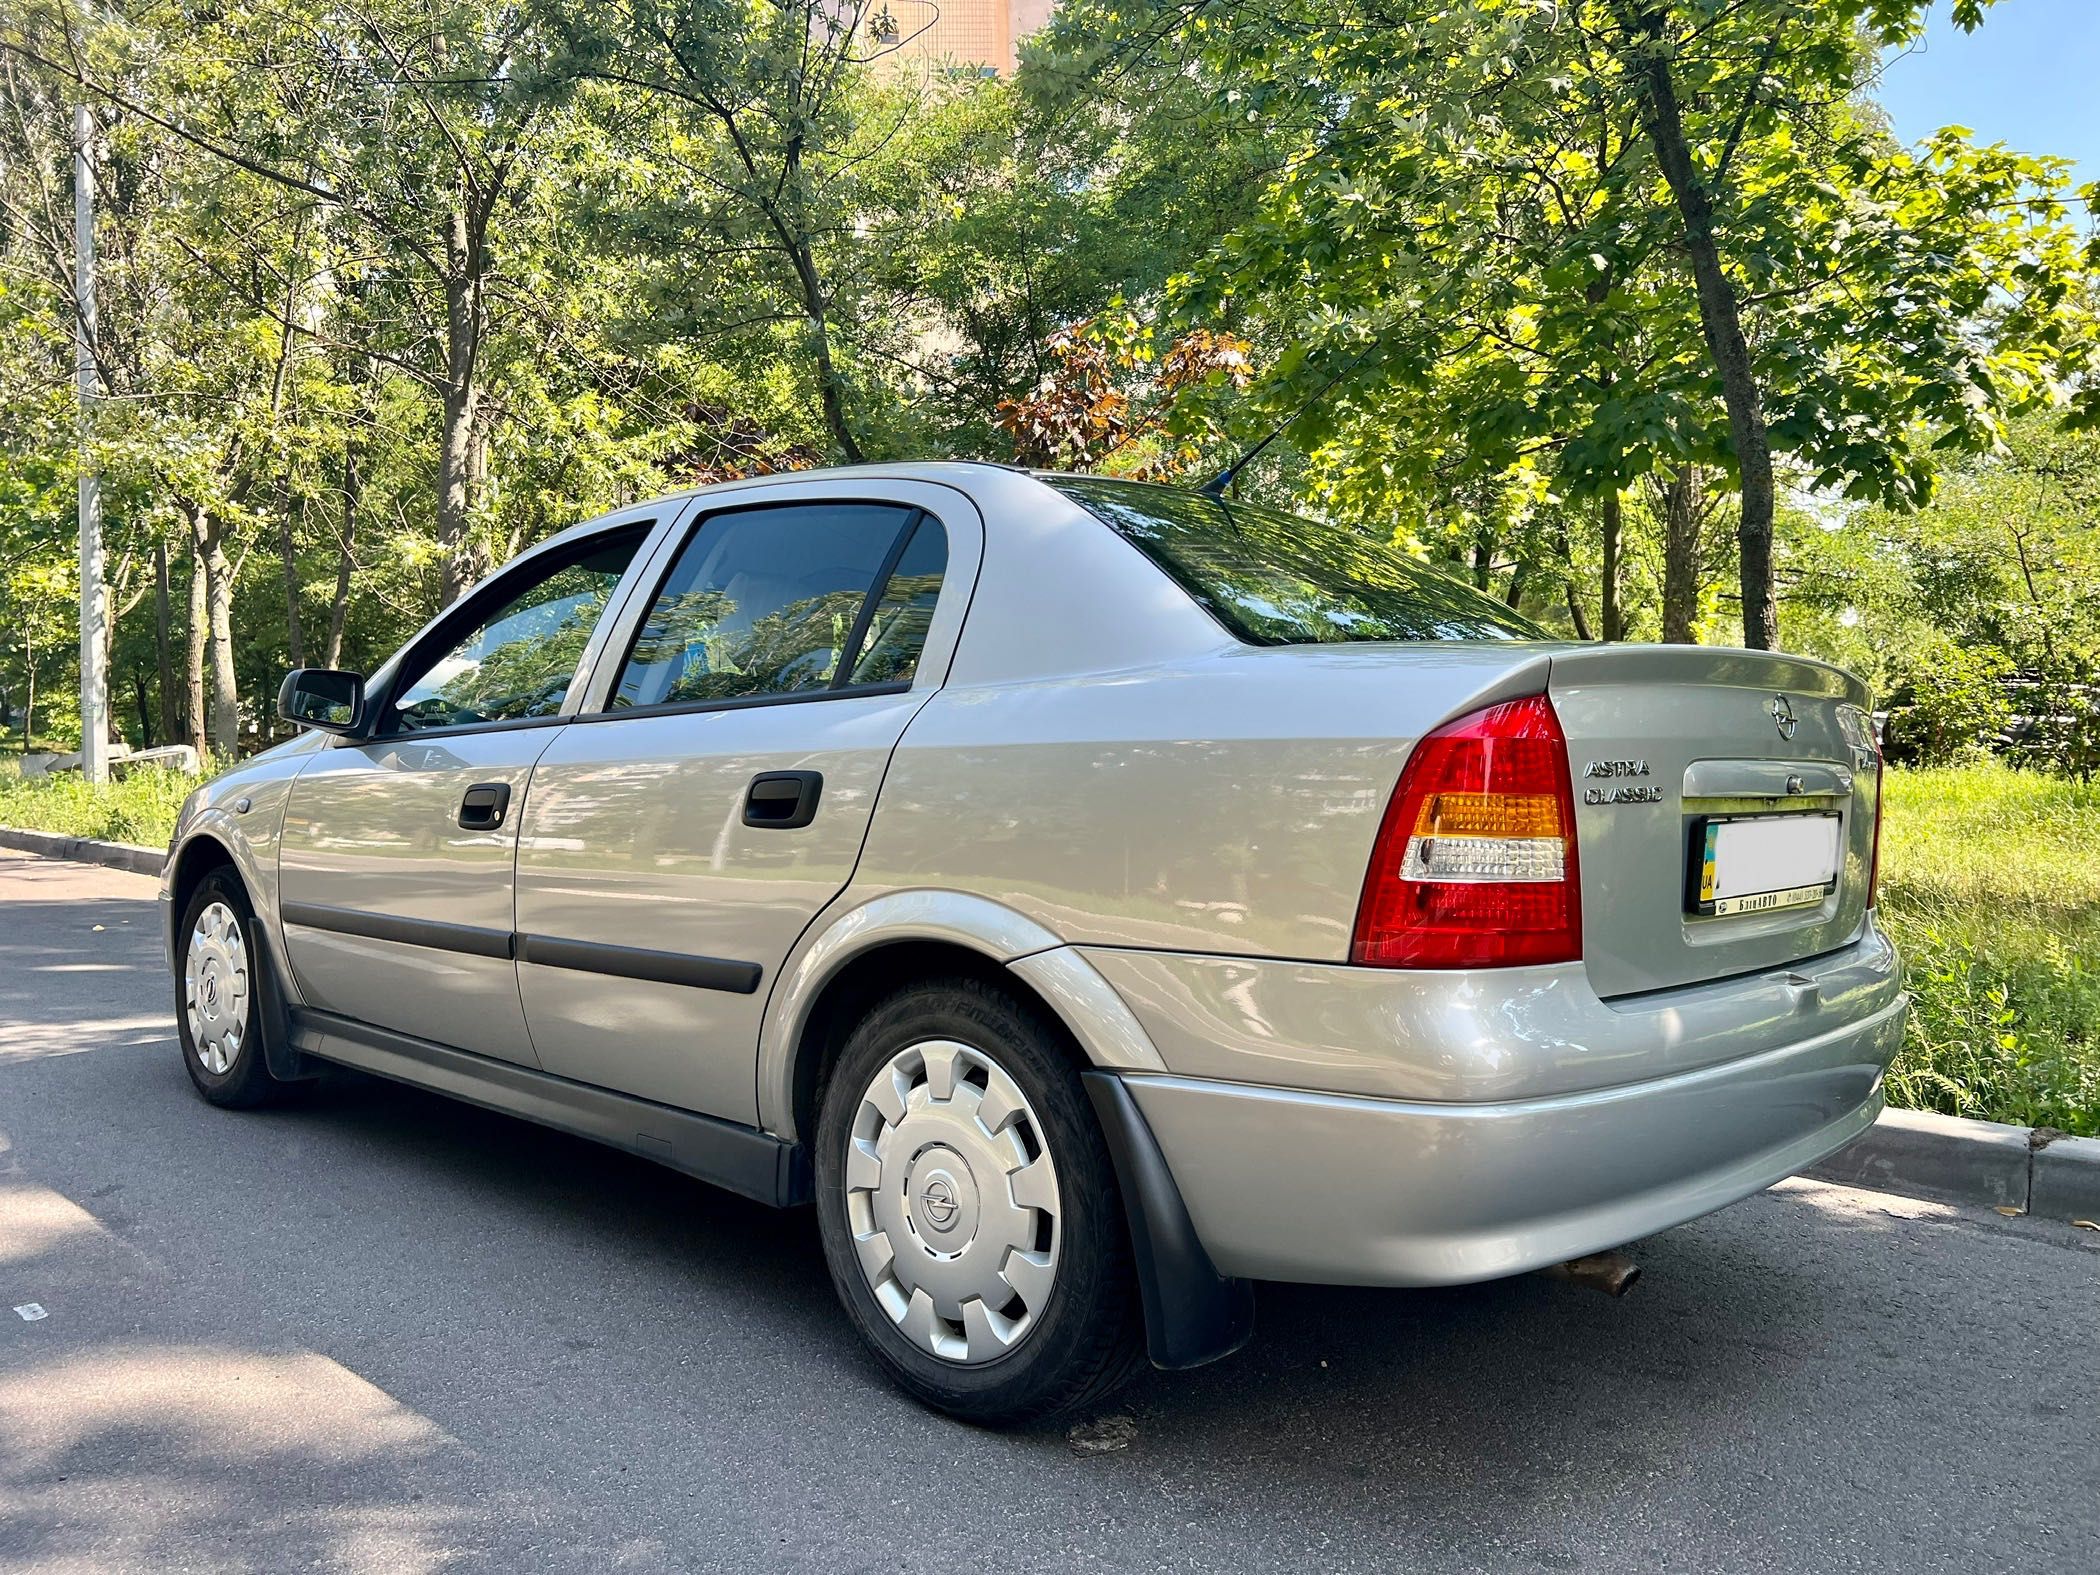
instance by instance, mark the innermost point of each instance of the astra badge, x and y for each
(1620, 792)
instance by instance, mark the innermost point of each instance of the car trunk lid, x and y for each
(1715, 790)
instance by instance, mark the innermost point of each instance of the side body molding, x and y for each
(1088, 1005)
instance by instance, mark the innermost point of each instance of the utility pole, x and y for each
(94, 647)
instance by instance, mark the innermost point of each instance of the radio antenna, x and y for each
(1215, 487)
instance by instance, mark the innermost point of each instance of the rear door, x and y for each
(714, 793)
(1724, 808)
(395, 867)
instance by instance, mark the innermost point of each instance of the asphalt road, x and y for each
(380, 1331)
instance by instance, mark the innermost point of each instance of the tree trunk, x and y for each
(29, 705)
(831, 387)
(1684, 513)
(145, 708)
(287, 549)
(1567, 580)
(225, 686)
(1610, 618)
(193, 651)
(1513, 593)
(346, 559)
(816, 309)
(1720, 316)
(461, 405)
(455, 500)
(163, 648)
(215, 628)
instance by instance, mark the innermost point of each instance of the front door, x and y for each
(396, 864)
(684, 831)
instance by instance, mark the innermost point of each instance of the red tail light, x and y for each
(1475, 862)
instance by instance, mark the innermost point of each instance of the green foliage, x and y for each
(1950, 703)
(1464, 257)
(1977, 616)
(140, 808)
(415, 286)
(1990, 889)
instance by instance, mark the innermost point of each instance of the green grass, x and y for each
(1990, 885)
(141, 808)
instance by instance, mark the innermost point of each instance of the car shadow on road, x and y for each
(1361, 1358)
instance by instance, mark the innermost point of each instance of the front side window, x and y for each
(518, 660)
(1279, 579)
(788, 599)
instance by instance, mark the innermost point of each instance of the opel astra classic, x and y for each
(1092, 896)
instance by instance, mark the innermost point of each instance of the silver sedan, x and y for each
(1093, 897)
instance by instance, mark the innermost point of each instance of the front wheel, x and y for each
(218, 1004)
(969, 1211)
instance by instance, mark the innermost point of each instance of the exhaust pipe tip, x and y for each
(1613, 1273)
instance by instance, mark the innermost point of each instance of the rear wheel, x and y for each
(969, 1210)
(218, 996)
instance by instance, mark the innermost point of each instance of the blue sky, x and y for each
(2029, 77)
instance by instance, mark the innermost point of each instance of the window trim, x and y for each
(454, 620)
(739, 703)
(684, 536)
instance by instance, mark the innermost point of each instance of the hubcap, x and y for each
(953, 1201)
(215, 988)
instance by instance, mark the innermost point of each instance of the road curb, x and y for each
(2067, 1180)
(1949, 1159)
(86, 850)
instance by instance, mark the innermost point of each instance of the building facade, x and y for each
(981, 33)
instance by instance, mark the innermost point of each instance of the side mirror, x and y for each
(323, 698)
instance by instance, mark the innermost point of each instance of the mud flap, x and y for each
(273, 1012)
(1193, 1314)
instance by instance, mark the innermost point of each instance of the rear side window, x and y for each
(1279, 579)
(904, 611)
(786, 600)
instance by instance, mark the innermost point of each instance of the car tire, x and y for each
(938, 1090)
(218, 996)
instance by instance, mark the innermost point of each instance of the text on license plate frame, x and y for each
(1706, 887)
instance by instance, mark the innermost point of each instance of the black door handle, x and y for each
(783, 800)
(484, 806)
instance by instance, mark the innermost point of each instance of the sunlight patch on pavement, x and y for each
(23, 1041)
(36, 1220)
(121, 1450)
(1854, 1203)
(124, 1452)
(201, 1404)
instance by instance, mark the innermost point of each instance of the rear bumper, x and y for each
(1284, 1184)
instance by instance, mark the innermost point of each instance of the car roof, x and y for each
(948, 470)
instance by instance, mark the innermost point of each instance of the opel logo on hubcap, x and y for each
(938, 1203)
(1783, 715)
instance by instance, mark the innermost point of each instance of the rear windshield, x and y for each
(1279, 579)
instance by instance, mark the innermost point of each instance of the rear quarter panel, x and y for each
(1224, 803)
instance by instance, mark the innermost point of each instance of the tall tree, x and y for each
(765, 112)
(1573, 245)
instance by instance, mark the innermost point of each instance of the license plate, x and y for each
(1760, 863)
